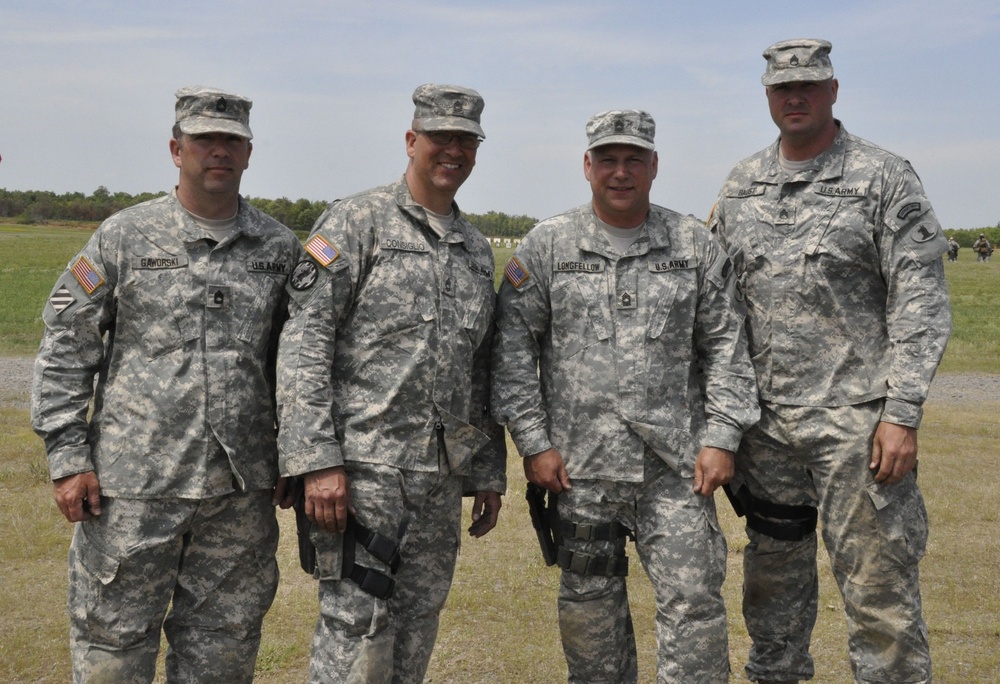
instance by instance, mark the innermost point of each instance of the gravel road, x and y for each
(952, 388)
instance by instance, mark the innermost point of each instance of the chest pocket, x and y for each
(262, 295)
(156, 308)
(843, 241)
(471, 288)
(749, 250)
(666, 286)
(581, 315)
(396, 297)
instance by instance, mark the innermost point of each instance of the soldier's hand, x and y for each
(328, 498)
(547, 469)
(712, 469)
(281, 495)
(485, 510)
(894, 452)
(78, 496)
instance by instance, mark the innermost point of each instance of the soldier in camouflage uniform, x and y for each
(621, 371)
(837, 254)
(952, 249)
(982, 248)
(174, 306)
(383, 379)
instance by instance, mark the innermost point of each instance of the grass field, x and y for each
(500, 621)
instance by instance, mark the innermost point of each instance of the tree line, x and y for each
(966, 236)
(39, 206)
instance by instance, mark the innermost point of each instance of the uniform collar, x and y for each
(828, 165)
(404, 200)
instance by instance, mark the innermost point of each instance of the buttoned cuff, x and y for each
(902, 413)
(310, 460)
(723, 436)
(531, 441)
(70, 462)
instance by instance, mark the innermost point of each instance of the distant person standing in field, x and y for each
(952, 249)
(837, 254)
(383, 389)
(621, 371)
(982, 248)
(174, 306)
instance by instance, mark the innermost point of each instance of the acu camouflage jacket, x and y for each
(182, 337)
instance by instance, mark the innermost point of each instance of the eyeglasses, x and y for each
(468, 141)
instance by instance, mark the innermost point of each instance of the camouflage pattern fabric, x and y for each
(125, 564)
(983, 249)
(628, 365)
(389, 335)
(387, 348)
(683, 551)
(839, 270)
(601, 355)
(359, 638)
(182, 336)
(875, 536)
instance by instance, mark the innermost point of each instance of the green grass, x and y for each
(33, 259)
(500, 621)
(975, 309)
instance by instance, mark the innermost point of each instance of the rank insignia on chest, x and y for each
(626, 299)
(322, 251)
(85, 274)
(784, 216)
(515, 273)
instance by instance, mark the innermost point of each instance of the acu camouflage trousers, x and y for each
(360, 639)
(875, 536)
(683, 552)
(212, 559)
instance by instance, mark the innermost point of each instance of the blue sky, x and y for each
(88, 90)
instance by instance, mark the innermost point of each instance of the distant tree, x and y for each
(499, 224)
(966, 236)
(35, 206)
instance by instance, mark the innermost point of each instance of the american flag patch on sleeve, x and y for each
(515, 272)
(88, 278)
(323, 251)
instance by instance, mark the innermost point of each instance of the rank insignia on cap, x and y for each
(323, 251)
(88, 278)
(515, 272)
(61, 299)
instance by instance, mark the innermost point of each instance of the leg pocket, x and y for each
(116, 601)
(902, 522)
(91, 572)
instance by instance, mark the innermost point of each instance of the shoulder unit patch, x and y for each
(61, 299)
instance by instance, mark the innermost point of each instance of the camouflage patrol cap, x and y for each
(448, 108)
(209, 110)
(801, 59)
(622, 127)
